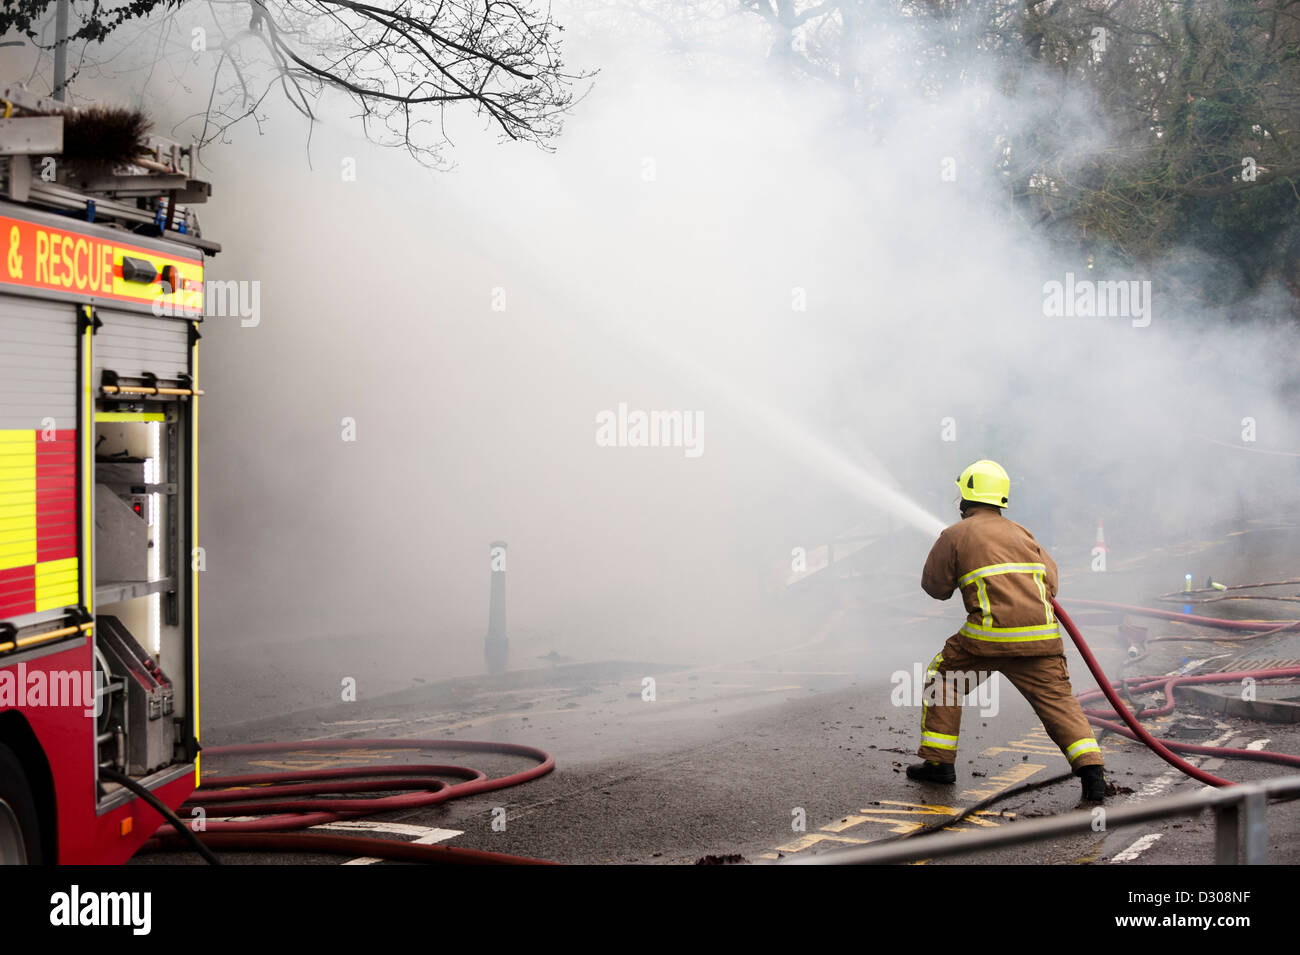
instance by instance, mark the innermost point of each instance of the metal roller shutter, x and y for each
(38, 364)
(135, 345)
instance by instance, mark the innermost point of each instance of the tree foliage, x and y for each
(1139, 129)
(402, 62)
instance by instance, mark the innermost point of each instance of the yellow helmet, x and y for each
(986, 482)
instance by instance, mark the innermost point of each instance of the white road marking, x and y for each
(425, 835)
(396, 828)
(1166, 779)
(1215, 763)
(1141, 845)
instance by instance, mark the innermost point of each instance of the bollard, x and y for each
(496, 647)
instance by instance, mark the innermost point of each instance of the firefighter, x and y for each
(1007, 582)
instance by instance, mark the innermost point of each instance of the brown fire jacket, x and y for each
(1006, 580)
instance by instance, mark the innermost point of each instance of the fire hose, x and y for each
(1260, 628)
(1130, 727)
(292, 800)
(1135, 730)
(296, 799)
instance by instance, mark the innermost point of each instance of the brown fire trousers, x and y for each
(1007, 582)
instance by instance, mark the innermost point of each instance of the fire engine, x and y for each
(101, 298)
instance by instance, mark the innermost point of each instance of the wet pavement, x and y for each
(800, 749)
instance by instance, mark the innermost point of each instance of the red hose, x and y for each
(232, 795)
(330, 844)
(280, 798)
(1261, 755)
(1143, 684)
(1273, 626)
(1138, 731)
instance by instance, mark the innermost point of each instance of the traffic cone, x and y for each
(1101, 538)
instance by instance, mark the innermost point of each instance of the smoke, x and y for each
(849, 325)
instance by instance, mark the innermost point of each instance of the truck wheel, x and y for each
(20, 834)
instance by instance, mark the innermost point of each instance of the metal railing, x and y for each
(1241, 828)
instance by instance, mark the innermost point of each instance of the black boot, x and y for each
(1094, 782)
(932, 772)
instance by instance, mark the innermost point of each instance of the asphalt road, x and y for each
(796, 752)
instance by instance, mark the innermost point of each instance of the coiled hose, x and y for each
(293, 800)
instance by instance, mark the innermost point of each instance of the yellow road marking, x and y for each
(893, 813)
(812, 838)
(846, 823)
(1004, 780)
(874, 815)
(898, 826)
(309, 760)
(933, 809)
(1034, 743)
(888, 817)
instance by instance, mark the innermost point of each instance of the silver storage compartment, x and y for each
(145, 709)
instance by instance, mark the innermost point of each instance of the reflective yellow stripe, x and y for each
(129, 416)
(994, 569)
(938, 741)
(1010, 634)
(1041, 628)
(1042, 594)
(86, 435)
(983, 594)
(934, 664)
(986, 629)
(1079, 747)
(17, 498)
(57, 583)
(929, 673)
(194, 542)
